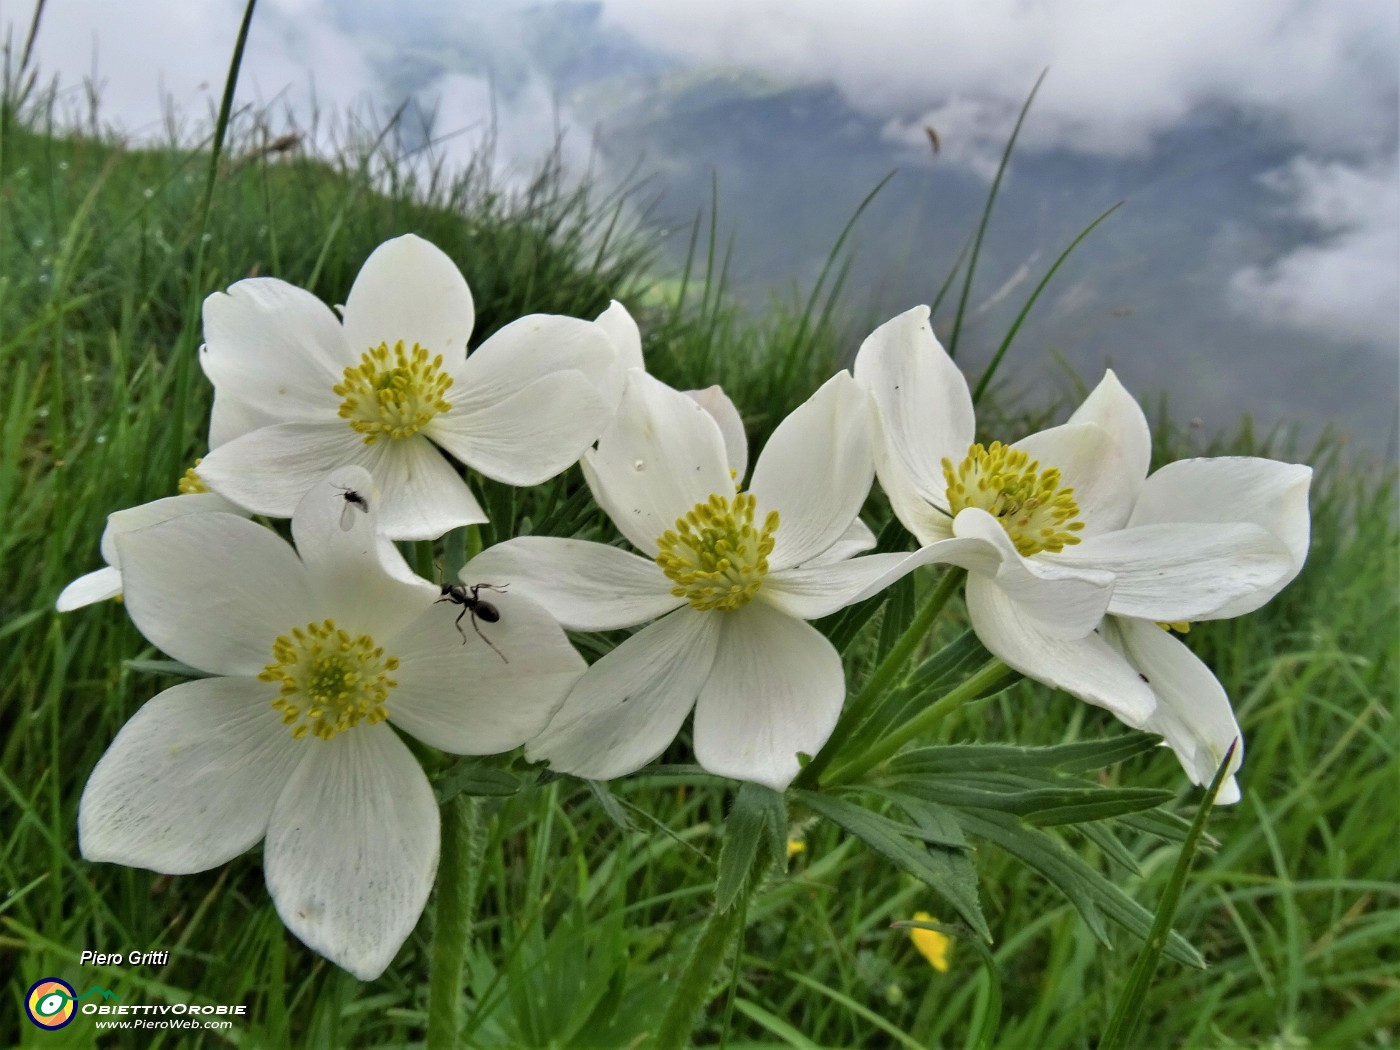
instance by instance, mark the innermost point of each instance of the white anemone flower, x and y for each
(106, 582)
(389, 385)
(1199, 540)
(726, 579)
(315, 653)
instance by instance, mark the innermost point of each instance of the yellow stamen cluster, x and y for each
(1179, 626)
(393, 393)
(715, 556)
(191, 482)
(330, 681)
(1036, 512)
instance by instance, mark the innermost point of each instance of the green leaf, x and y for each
(1045, 800)
(475, 776)
(1085, 888)
(757, 809)
(1128, 1011)
(610, 805)
(936, 824)
(947, 871)
(1079, 757)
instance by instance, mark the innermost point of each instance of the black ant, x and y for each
(353, 501)
(471, 602)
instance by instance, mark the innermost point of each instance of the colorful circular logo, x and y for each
(49, 1003)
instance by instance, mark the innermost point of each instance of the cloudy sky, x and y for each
(1310, 86)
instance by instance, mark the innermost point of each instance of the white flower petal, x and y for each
(352, 847)
(409, 290)
(94, 587)
(421, 496)
(626, 337)
(715, 401)
(528, 350)
(1092, 464)
(585, 586)
(531, 435)
(1185, 572)
(270, 470)
(1193, 713)
(815, 590)
(856, 540)
(352, 568)
(190, 781)
(816, 471)
(924, 405)
(1112, 408)
(1088, 667)
(1264, 492)
(132, 518)
(1066, 601)
(214, 590)
(275, 346)
(459, 694)
(230, 417)
(661, 456)
(776, 690)
(629, 706)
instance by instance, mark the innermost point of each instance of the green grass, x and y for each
(587, 905)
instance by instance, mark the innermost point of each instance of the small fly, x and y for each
(471, 602)
(353, 502)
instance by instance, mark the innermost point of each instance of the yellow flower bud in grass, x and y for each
(932, 945)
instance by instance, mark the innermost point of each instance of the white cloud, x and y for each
(1121, 72)
(1344, 284)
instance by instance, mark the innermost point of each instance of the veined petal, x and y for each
(629, 706)
(925, 410)
(1088, 667)
(1092, 464)
(585, 586)
(409, 290)
(530, 436)
(352, 847)
(1193, 713)
(353, 569)
(715, 401)
(1112, 408)
(459, 694)
(273, 345)
(270, 470)
(191, 780)
(94, 587)
(1185, 572)
(1065, 600)
(1263, 492)
(528, 350)
(816, 471)
(422, 496)
(661, 456)
(776, 690)
(214, 590)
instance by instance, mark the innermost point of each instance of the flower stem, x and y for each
(986, 675)
(463, 844)
(721, 929)
(883, 677)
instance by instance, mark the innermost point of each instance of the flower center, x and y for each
(191, 482)
(715, 556)
(330, 681)
(1032, 506)
(393, 392)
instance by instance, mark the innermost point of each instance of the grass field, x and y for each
(588, 903)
